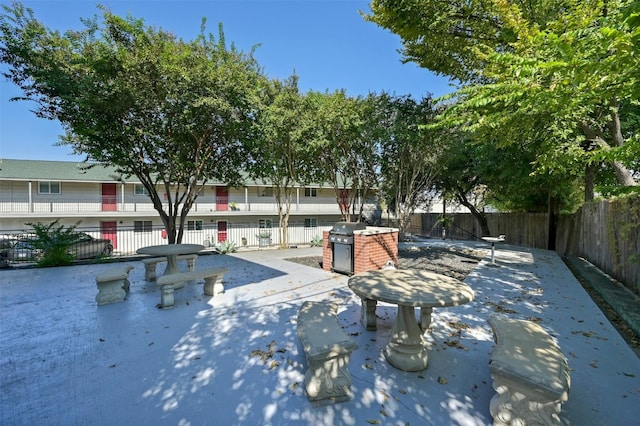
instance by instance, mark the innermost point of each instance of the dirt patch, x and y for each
(453, 262)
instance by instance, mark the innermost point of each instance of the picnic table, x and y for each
(171, 252)
(408, 289)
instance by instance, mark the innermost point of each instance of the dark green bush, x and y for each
(54, 241)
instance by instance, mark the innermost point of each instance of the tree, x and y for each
(410, 154)
(346, 156)
(563, 68)
(281, 154)
(175, 114)
(459, 178)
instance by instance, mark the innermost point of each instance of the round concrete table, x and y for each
(408, 289)
(171, 251)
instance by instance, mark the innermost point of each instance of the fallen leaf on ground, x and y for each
(274, 364)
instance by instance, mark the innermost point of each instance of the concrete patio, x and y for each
(235, 359)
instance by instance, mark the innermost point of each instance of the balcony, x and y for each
(108, 206)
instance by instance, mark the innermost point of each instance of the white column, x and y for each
(30, 197)
(122, 196)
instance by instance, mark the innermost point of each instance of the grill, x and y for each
(341, 236)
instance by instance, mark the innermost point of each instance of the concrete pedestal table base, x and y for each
(493, 241)
(171, 252)
(407, 289)
(405, 350)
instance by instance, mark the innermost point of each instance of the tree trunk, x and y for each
(481, 219)
(623, 174)
(596, 138)
(589, 181)
(477, 214)
(170, 228)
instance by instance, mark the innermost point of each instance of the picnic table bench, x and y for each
(530, 374)
(150, 264)
(212, 283)
(328, 349)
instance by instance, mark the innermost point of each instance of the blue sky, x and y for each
(326, 42)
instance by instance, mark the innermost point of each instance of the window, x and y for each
(265, 224)
(310, 192)
(265, 192)
(142, 226)
(49, 187)
(311, 223)
(194, 225)
(139, 189)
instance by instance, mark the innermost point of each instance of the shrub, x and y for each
(317, 241)
(54, 241)
(226, 247)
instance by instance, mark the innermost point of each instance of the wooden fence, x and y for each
(523, 229)
(606, 233)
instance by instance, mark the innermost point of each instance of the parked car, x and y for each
(22, 250)
(5, 247)
(89, 247)
(14, 250)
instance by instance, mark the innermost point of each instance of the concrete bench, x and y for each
(328, 349)
(530, 374)
(150, 264)
(212, 283)
(113, 284)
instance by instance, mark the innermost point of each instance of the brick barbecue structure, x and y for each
(373, 247)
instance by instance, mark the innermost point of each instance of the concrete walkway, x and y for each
(235, 359)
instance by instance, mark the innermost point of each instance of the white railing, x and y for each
(83, 205)
(127, 241)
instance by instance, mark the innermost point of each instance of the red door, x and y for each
(109, 231)
(222, 231)
(109, 197)
(222, 198)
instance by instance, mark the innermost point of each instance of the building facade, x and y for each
(105, 204)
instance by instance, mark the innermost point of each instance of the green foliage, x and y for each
(411, 156)
(281, 150)
(316, 241)
(227, 247)
(54, 241)
(344, 148)
(558, 79)
(139, 98)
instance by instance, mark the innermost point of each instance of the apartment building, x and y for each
(109, 205)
